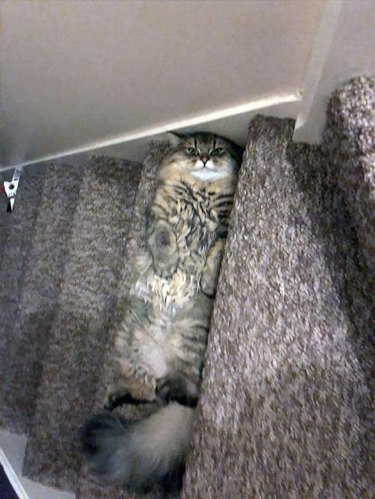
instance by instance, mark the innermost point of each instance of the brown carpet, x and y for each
(80, 328)
(286, 404)
(287, 398)
(90, 486)
(349, 138)
(16, 234)
(38, 296)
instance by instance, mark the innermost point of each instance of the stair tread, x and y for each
(91, 486)
(80, 328)
(284, 397)
(285, 405)
(40, 290)
(17, 232)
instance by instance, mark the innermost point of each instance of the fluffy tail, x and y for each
(142, 455)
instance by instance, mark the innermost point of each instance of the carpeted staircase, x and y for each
(287, 399)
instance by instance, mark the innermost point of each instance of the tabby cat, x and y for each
(160, 344)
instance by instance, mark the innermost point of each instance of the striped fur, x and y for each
(160, 344)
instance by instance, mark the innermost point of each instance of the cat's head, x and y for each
(202, 156)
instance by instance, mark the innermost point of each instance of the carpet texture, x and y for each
(349, 138)
(38, 297)
(287, 399)
(286, 404)
(90, 486)
(17, 230)
(80, 327)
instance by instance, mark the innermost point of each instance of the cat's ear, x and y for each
(171, 137)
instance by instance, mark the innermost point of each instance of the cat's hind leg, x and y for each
(188, 343)
(177, 387)
(132, 382)
(134, 386)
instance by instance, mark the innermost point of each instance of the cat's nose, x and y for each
(204, 158)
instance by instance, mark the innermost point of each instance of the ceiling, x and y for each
(79, 75)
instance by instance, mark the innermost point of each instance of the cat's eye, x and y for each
(191, 151)
(218, 151)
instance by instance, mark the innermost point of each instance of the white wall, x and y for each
(344, 47)
(79, 74)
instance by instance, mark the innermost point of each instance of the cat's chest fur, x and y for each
(195, 221)
(198, 215)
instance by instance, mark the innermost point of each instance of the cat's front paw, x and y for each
(208, 284)
(210, 275)
(166, 267)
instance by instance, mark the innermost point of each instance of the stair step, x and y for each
(17, 233)
(79, 332)
(285, 403)
(90, 486)
(40, 290)
(349, 138)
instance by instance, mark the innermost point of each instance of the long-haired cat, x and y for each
(160, 344)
